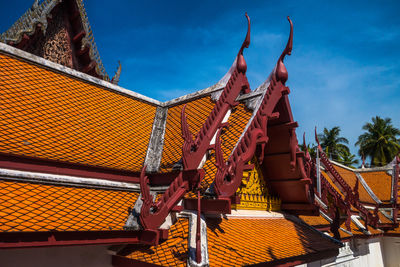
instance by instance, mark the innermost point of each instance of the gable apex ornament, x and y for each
(281, 73)
(241, 63)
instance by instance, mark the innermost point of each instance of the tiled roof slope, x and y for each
(380, 183)
(247, 241)
(37, 207)
(351, 179)
(53, 116)
(235, 242)
(197, 112)
(172, 252)
(237, 122)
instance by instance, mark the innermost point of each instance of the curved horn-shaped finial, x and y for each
(115, 79)
(281, 71)
(241, 63)
(316, 137)
(304, 142)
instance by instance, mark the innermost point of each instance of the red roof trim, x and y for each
(73, 238)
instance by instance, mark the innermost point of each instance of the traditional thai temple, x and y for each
(92, 174)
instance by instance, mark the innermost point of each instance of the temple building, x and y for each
(93, 174)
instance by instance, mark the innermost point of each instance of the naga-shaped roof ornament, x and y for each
(316, 138)
(281, 73)
(115, 79)
(241, 63)
(305, 148)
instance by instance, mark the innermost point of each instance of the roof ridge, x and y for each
(26, 24)
(52, 66)
(341, 165)
(88, 39)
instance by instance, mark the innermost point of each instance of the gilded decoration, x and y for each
(254, 193)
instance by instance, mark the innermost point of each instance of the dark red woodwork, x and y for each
(152, 214)
(193, 151)
(351, 195)
(395, 188)
(271, 138)
(23, 163)
(71, 238)
(209, 206)
(78, 37)
(67, 12)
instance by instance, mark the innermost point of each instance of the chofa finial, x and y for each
(316, 136)
(281, 71)
(241, 63)
(115, 79)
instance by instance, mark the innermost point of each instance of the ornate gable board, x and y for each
(270, 130)
(58, 30)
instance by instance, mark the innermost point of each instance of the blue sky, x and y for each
(344, 69)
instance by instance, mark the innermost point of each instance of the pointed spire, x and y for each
(241, 63)
(115, 79)
(305, 148)
(35, 5)
(281, 73)
(316, 137)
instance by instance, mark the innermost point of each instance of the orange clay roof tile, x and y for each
(172, 252)
(351, 178)
(315, 220)
(237, 122)
(329, 179)
(197, 112)
(53, 116)
(36, 207)
(383, 218)
(380, 183)
(239, 241)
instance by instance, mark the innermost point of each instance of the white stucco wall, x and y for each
(356, 253)
(83, 256)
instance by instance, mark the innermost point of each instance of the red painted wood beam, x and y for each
(83, 51)
(209, 206)
(64, 168)
(24, 40)
(78, 37)
(88, 68)
(74, 238)
(23, 163)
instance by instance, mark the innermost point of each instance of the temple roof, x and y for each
(30, 207)
(53, 116)
(81, 155)
(39, 15)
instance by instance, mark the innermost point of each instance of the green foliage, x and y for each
(348, 159)
(332, 143)
(379, 142)
(311, 149)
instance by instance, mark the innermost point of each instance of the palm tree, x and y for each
(348, 159)
(310, 149)
(333, 143)
(379, 141)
